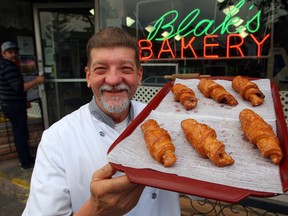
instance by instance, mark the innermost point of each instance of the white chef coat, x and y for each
(70, 151)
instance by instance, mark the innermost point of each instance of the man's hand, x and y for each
(111, 196)
(40, 79)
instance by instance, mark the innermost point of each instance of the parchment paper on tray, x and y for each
(207, 107)
(250, 170)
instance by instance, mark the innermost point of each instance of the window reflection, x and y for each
(64, 35)
(65, 97)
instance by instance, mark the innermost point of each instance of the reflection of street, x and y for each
(27, 64)
(155, 81)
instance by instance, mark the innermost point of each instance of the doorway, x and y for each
(61, 33)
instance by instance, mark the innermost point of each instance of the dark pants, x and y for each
(17, 114)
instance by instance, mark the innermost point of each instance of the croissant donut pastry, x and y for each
(248, 90)
(159, 143)
(261, 134)
(203, 139)
(185, 95)
(217, 92)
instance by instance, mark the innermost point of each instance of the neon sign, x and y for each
(204, 30)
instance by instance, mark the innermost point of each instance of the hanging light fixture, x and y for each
(91, 11)
(232, 10)
(177, 37)
(165, 34)
(243, 32)
(240, 21)
(129, 21)
(149, 28)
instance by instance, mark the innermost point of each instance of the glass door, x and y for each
(61, 33)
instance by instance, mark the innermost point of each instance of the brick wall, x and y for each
(7, 146)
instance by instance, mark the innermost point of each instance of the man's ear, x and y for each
(140, 75)
(87, 76)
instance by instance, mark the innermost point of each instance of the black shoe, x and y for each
(32, 158)
(30, 163)
(27, 166)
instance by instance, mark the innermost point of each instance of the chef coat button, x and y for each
(154, 195)
(102, 133)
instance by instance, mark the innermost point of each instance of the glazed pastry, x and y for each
(217, 92)
(158, 143)
(185, 95)
(248, 90)
(261, 134)
(203, 139)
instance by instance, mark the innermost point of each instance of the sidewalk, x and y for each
(15, 183)
(14, 187)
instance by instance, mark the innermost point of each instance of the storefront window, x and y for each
(65, 97)
(64, 31)
(64, 34)
(218, 37)
(173, 20)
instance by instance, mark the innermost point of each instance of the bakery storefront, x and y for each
(176, 38)
(216, 38)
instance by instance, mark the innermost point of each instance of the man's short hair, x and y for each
(112, 37)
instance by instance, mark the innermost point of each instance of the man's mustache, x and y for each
(115, 88)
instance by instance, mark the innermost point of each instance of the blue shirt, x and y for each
(11, 83)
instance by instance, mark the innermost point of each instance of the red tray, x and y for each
(196, 187)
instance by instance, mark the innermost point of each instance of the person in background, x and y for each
(71, 173)
(14, 101)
